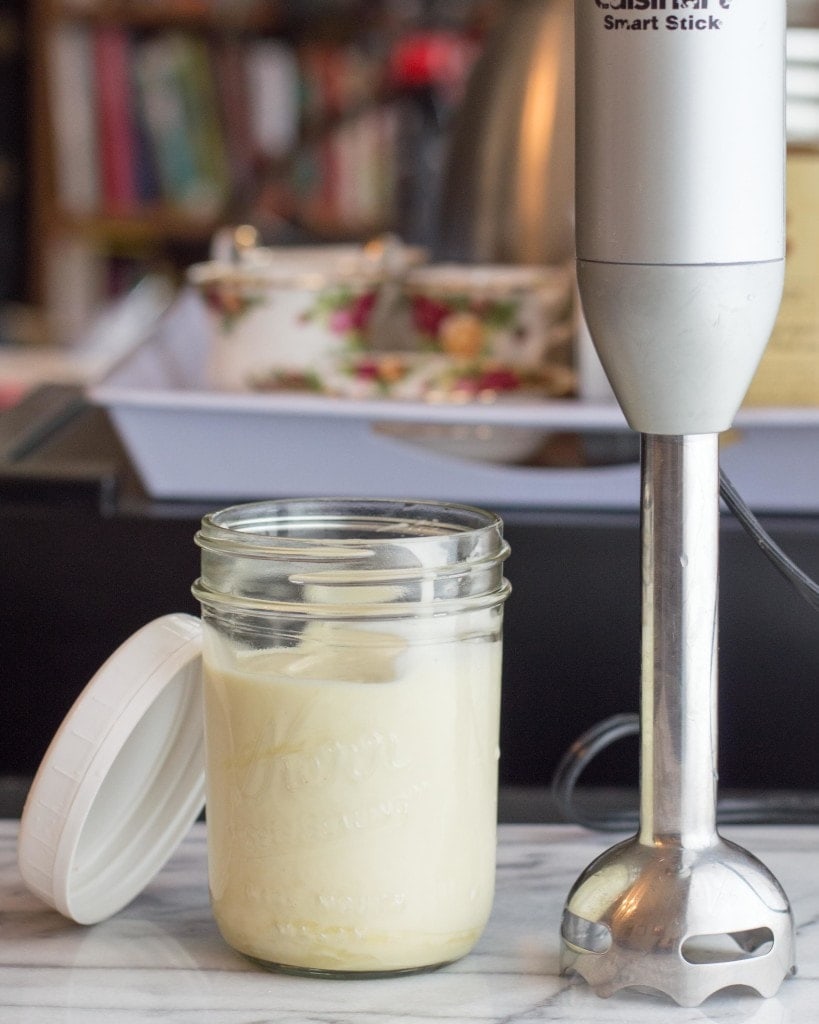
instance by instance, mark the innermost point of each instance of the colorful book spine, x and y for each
(201, 104)
(228, 59)
(273, 84)
(72, 113)
(115, 109)
(163, 110)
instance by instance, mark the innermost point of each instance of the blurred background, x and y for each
(133, 129)
(135, 133)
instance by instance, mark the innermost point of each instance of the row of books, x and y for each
(199, 124)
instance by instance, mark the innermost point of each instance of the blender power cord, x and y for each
(777, 809)
(804, 585)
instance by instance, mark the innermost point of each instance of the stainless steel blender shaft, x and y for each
(680, 543)
(677, 908)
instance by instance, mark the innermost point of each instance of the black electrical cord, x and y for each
(575, 761)
(776, 809)
(804, 585)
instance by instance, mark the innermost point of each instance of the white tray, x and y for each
(190, 443)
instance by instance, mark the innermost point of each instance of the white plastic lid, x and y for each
(123, 779)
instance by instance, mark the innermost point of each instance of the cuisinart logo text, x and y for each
(682, 22)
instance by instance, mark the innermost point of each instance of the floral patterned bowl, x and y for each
(511, 314)
(424, 377)
(439, 379)
(280, 311)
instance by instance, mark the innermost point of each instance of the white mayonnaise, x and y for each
(351, 804)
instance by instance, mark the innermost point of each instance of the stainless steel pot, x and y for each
(508, 185)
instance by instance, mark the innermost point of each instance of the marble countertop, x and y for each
(162, 959)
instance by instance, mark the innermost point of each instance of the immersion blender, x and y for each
(680, 259)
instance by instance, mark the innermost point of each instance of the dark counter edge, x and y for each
(522, 805)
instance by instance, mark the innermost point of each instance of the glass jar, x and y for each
(352, 665)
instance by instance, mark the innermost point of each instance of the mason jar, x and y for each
(352, 670)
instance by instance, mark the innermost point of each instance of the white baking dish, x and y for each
(187, 442)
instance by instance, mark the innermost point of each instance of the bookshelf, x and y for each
(155, 122)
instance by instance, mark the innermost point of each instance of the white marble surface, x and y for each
(162, 958)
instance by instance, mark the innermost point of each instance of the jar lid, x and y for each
(123, 779)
